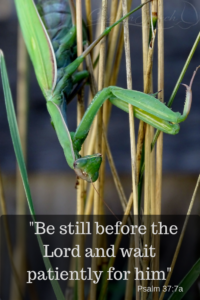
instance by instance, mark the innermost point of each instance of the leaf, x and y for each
(187, 282)
(20, 159)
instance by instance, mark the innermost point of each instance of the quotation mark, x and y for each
(168, 269)
(31, 223)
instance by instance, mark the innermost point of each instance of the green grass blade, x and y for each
(20, 159)
(14, 131)
(187, 282)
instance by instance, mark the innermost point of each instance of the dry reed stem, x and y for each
(81, 190)
(181, 237)
(117, 181)
(80, 112)
(90, 148)
(132, 137)
(93, 91)
(149, 65)
(116, 68)
(147, 202)
(100, 87)
(89, 19)
(106, 112)
(130, 267)
(16, 279)
(112, 71)
(113, 13)
(90, 141)
(116, 245)
(22, 103)
(89, 203)
(93, 83)
(145, 35)
(145, 45)
(153, 174)
(98, 209)
(159, 147)
(148, 184)
(113, 46)
(80, 104)
(106, 106)
(73, 11)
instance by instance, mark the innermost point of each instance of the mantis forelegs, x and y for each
(146, 107)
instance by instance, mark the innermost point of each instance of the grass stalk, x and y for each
(145, 47)
(148, 50)
(147, 201)
(98, 203)
(156, 207)
(152, 174)
(113, 46)
(73, 11)
(145, 36)
(106, 106)
(80, 112)
(130, 267)
(113, 12)
(116, 246)
(16, 278)
(89, 20)
(89, 203)
(100, 87)
(22, 115)
(181, 237)
(90, 142)
(22, 111)
(132, 136)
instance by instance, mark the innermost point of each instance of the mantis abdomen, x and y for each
(57, 19)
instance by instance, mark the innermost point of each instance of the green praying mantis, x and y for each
(52, 49)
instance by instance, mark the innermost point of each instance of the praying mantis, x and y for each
(55, 68)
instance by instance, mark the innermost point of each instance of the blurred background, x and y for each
(52, 181)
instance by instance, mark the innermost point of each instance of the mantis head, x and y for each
(87, 167)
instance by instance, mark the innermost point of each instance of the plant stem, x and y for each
(132, 136)
(22, 116)
(156, 207)
(80, 112)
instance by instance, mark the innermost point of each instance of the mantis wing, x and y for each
(38, 44)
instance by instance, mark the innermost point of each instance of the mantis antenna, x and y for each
(105, 202)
